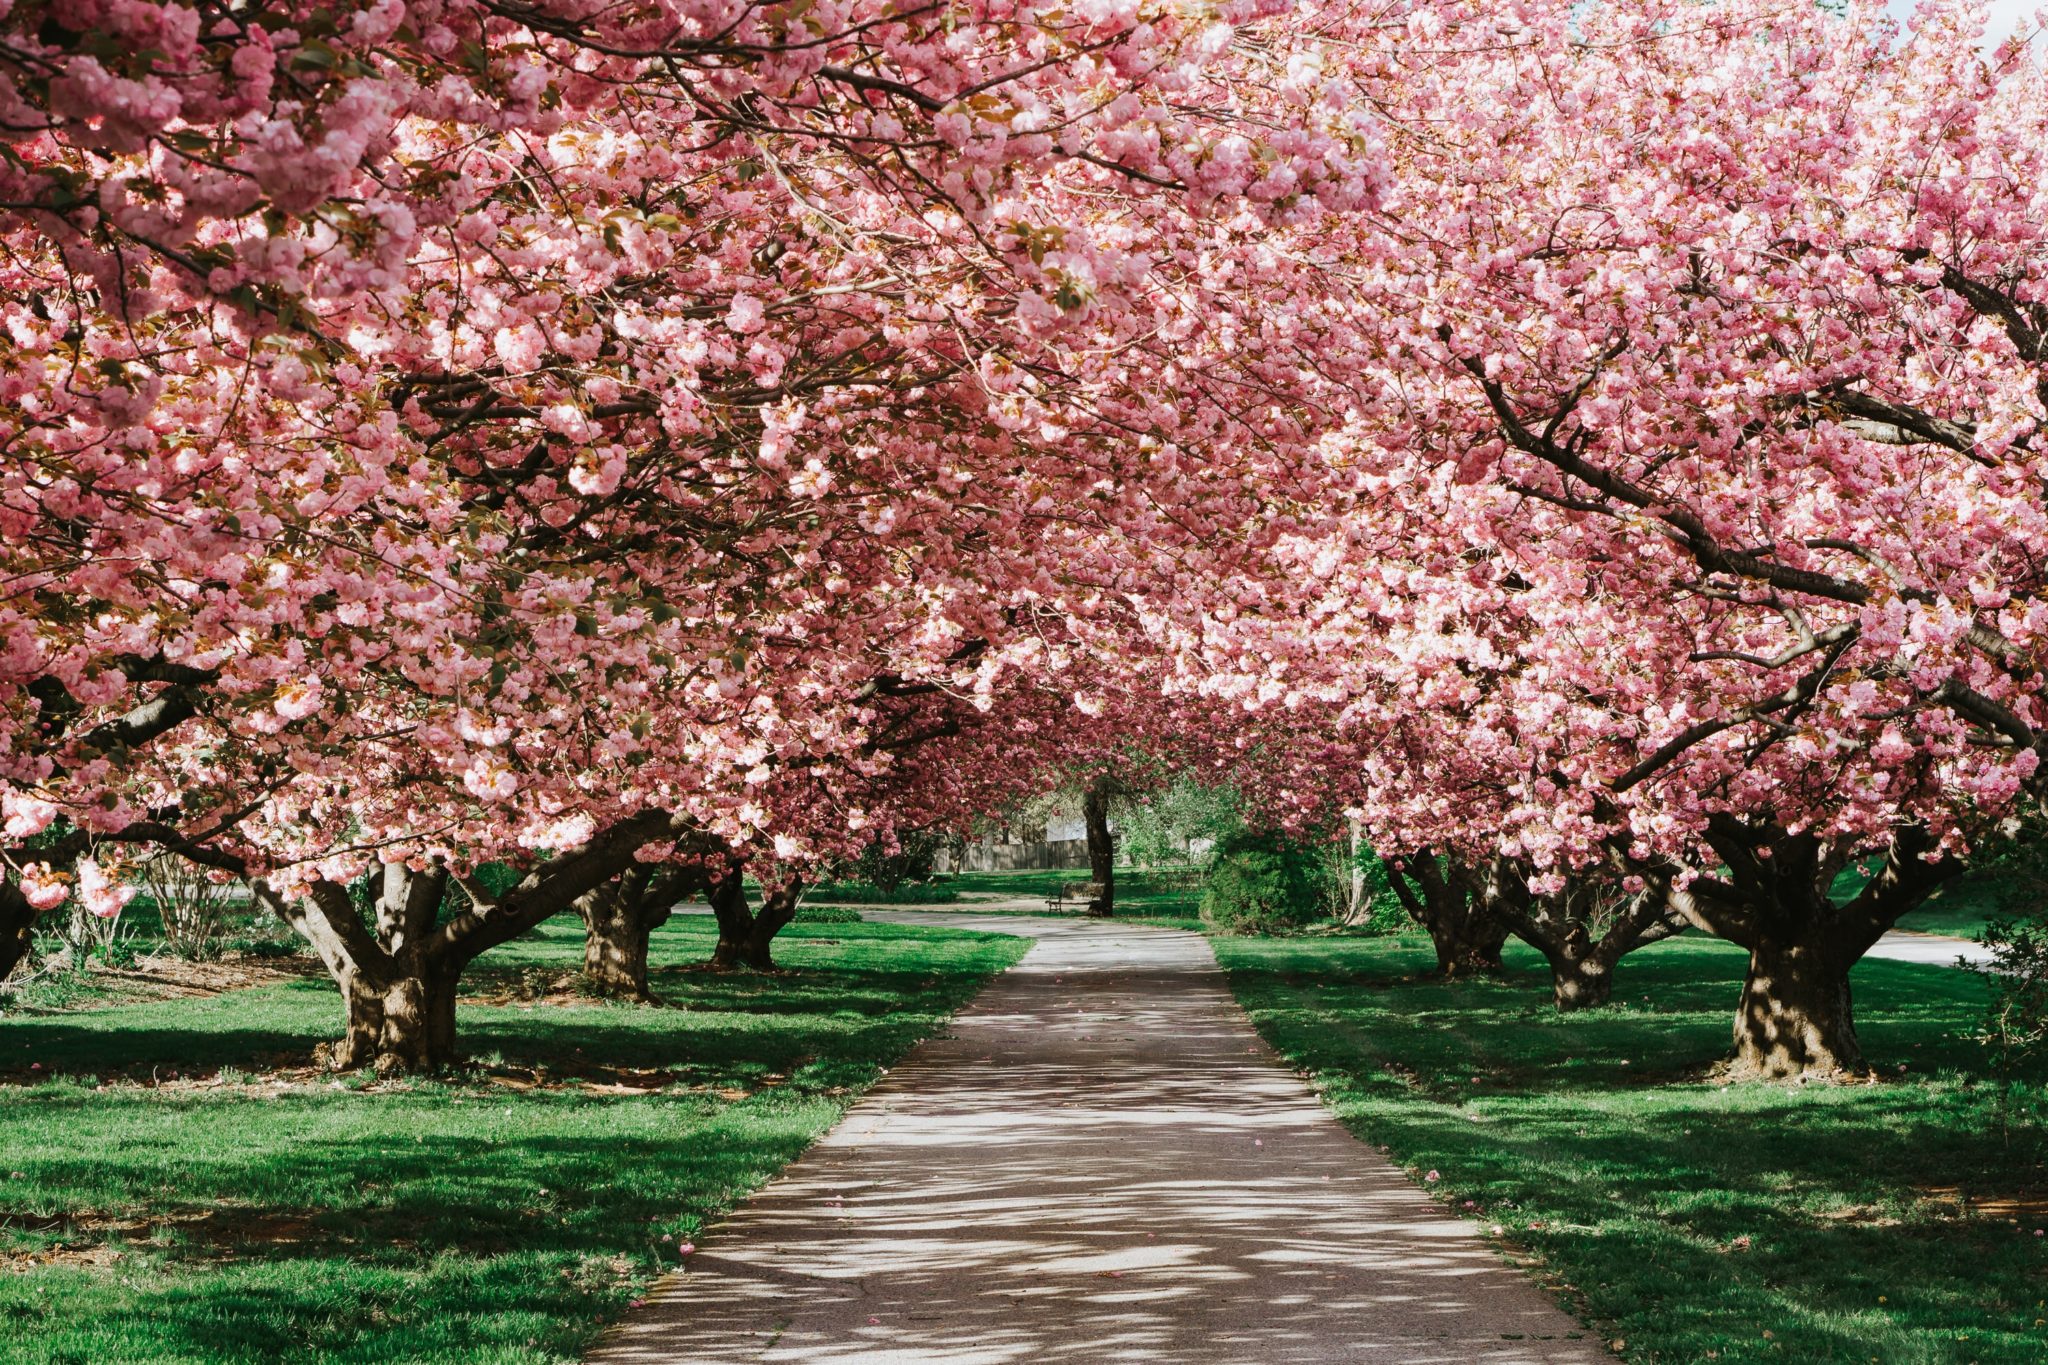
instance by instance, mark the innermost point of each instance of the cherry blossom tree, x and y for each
(1692, 372)
(483, 432)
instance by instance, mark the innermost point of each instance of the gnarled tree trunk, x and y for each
(1101, 844)
(1582, 931)
(1579, 981)
(399, 967)
(745, 938)
(397, 985)
(778, 908)
(618, 919)
(1467, 935)
(1795, 1019)
(402, 1020)
(728, 898)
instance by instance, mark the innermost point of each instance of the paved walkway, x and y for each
(1941, 950)
(1100, 1163)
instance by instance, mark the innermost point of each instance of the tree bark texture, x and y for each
(618, 918)
(746, 937)
(1101, 845)
(1582, 931)
(17, 928)
(1442, 898)
(398, 959)
(1795, 1020)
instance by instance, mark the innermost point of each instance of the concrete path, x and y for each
(1100, 1163)
(1940, 950)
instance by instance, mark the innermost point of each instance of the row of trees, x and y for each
(1683, 531)
(1596, 449)
(468, 435)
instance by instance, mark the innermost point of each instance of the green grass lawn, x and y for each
(254, 1211)
(1892, 1222)
(1959, 908)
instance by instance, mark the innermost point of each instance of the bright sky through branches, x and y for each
(2006, 16)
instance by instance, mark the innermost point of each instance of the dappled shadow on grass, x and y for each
(404, 1197)
(1695, 1216)
(469, 1217)
(581, 1041)
(316, 1241)
(706, 1022)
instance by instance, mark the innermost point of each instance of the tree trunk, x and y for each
(403, 1022)
(618, 919)
(1582, 930)
(1355, 907)
(17, 928)
(728, 898)
(1795, 1017)
(399, 966)
(778, 908)
(1467, 935)
(744, 937)
(1101, 845)
(362, 1025)
(1579, 979)
(615, 951)
(1467, 944)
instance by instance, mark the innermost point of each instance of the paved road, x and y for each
(1100, 1163)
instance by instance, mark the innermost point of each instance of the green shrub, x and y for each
(827, 914)
(1159, 827)
(2015, 1026)
(1384, 913)
(2016, 1014)
(886, 868)
(1263, 881)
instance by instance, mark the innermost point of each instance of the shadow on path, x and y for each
(1101, 1162)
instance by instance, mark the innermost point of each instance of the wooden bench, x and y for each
(1087, 895)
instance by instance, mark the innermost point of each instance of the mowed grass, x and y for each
(1961, 908)
(1893, 1222)
(251, 1211)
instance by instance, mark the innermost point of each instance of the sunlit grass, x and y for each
(505, 1213)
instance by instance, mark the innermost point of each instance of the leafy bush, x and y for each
(827, 914)
(1384, 913)
(881, 867)
(2015, 1024)
(1160, 827)
(195, 909)
(1263, 881)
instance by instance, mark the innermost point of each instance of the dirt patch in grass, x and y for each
(172, 978)
(100, 1238)
(96, 1257)
(2013, 1207)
